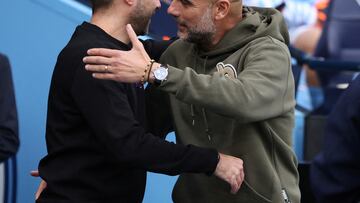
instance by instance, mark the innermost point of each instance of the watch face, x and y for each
(161, 73)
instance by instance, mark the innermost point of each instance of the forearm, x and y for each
(264, 77)
(158, 112)
(242, 98)
(107, 110)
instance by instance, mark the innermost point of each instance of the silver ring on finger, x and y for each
(106, 69)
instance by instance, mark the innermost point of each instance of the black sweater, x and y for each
(98, 150)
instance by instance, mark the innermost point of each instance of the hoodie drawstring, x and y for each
(192, 106)
(192, 114)
(207, 129)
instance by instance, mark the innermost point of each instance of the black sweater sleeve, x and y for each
(158, 112)
(106, 108)
(9, 138)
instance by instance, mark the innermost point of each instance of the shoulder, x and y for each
(267, 41)
(267, 47)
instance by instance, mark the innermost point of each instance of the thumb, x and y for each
(34, 173)
(132, 35)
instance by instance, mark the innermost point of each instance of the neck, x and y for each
(112, 23)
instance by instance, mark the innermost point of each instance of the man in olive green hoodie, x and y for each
(229, 86)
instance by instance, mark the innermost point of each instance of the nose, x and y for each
(157, 4)
(173, 10)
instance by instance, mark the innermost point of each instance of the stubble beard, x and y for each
(140, 19)
(202, 33)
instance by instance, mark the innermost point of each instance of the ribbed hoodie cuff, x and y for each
(174, 80)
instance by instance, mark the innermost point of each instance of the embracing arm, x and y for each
(158, 112)
(263, 89)
(106, 108)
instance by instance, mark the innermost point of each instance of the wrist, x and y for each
(160, 74)
(146, 75)
(216, 169)
(151, 73)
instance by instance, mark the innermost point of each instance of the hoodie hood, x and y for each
(256, 23)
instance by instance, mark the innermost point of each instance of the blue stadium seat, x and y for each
(340, 44)
(337, 62)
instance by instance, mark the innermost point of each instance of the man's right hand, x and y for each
(231, 170)
(42, 185)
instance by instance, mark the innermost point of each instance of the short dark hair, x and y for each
(96, 4)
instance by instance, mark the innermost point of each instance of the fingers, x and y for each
(242, 176)
(239, 181)
(120, 66)
(41, 187)
(108, 53)
(137, 45)
(98, 60)
(234, 185)
(98, 68)
(126, 78)
(231, 170)
(104, 76)
(34, 173)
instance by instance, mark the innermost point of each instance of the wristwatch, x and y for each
(160, 74)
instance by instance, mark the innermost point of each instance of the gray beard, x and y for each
(202, 40)
(203, 33)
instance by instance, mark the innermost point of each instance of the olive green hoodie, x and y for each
(247, 112)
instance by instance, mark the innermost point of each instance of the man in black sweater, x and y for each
(98, 150)
(9, 133)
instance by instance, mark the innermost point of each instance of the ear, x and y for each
(222, 8)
